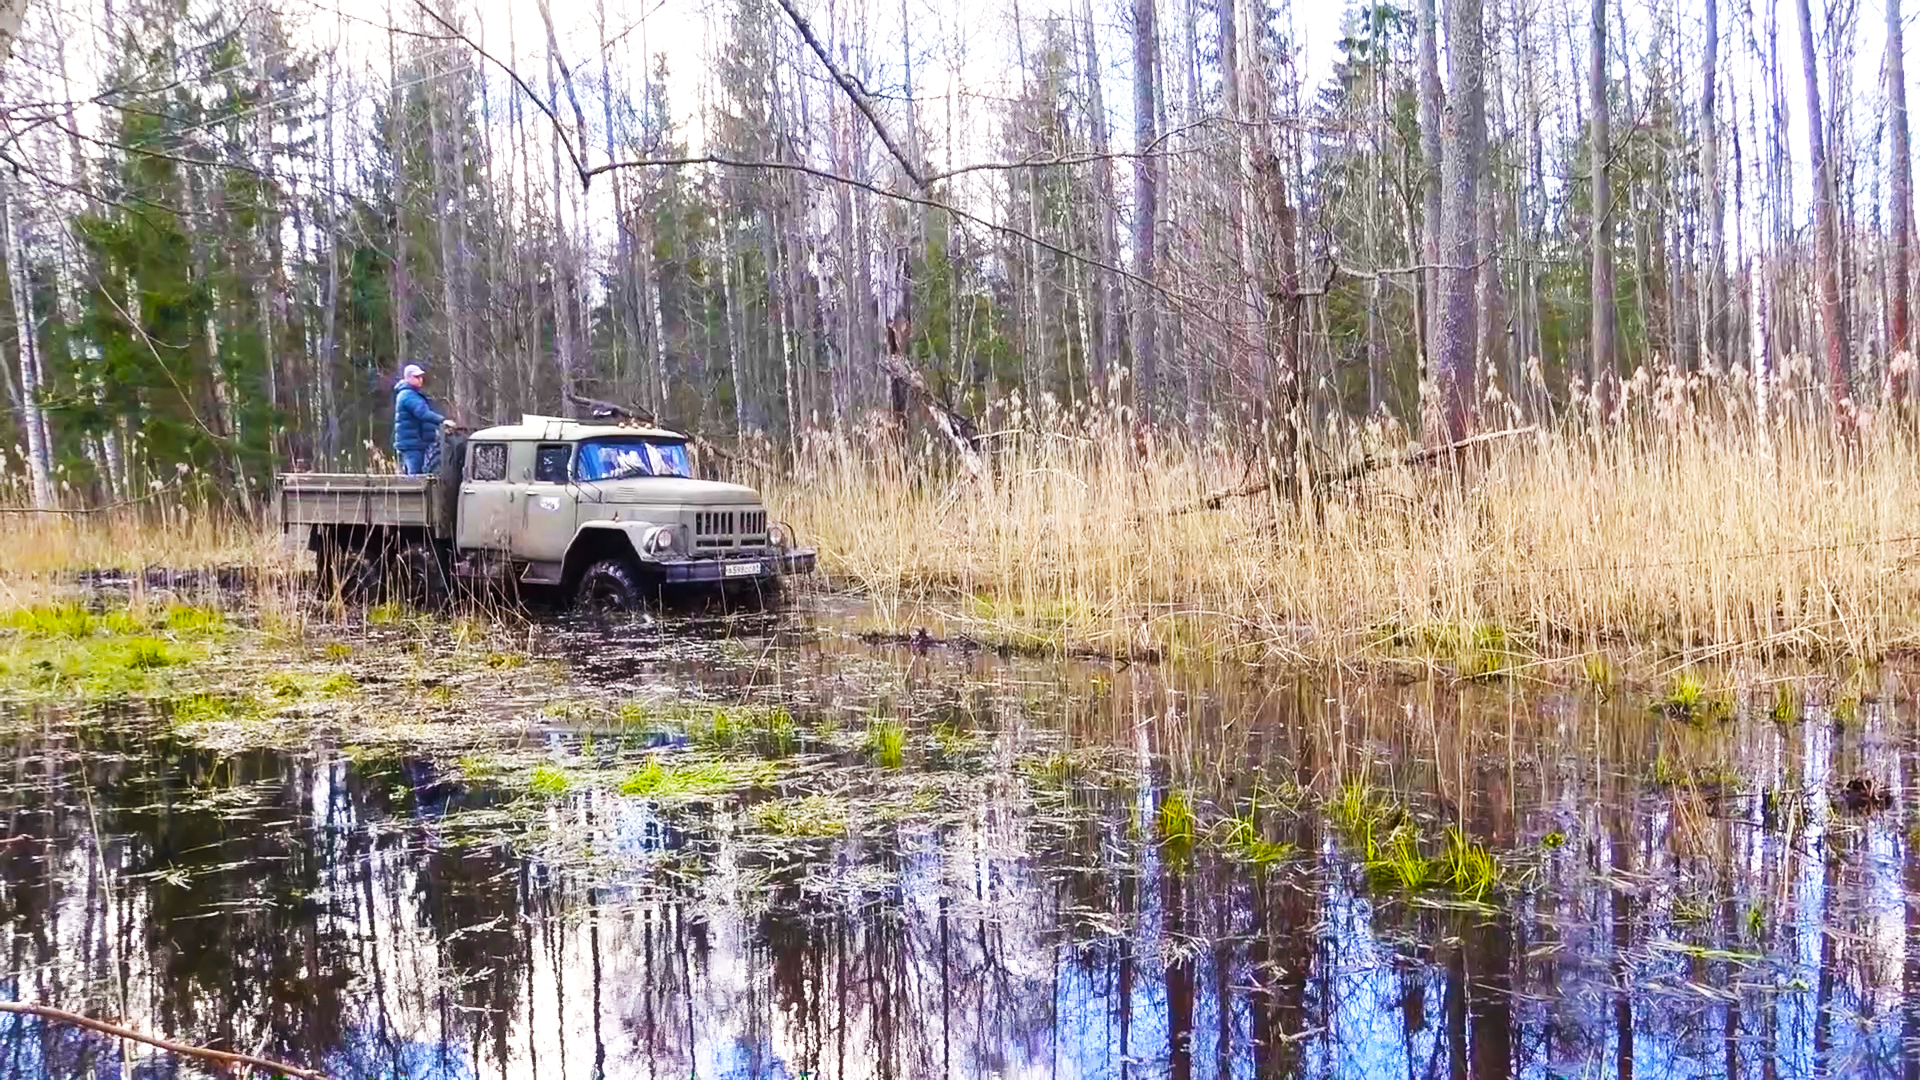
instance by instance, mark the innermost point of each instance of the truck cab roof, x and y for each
(562, 429)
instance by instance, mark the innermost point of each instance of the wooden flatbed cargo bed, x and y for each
(366, 499)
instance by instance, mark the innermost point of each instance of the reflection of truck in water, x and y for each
(604, 513)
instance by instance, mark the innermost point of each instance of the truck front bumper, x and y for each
(724, 568)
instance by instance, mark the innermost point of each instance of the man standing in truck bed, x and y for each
(416, 426)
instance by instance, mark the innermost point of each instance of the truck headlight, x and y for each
(777, 535)
(660, 540)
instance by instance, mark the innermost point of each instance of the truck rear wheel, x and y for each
(348, 572)
(609, 585)
(418, 576)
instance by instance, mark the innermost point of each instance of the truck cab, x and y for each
(606, 513)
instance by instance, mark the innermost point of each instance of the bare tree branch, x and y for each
(222, 1057)
(859, 95)
(559, 128)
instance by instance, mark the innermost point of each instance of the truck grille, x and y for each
(717, 530)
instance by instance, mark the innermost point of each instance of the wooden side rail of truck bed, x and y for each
(364, 499)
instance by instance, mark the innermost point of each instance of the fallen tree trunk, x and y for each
(225, 1057)
(1214, 500)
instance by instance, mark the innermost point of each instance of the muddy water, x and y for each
(1015, 898)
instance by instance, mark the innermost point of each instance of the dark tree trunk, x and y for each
(1600, 356)
(1826, 256)
(1716, 320)
(1465, 131)
(1146, 206)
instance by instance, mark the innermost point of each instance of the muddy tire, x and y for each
(419, 578)
(350, 574)
(610, 585)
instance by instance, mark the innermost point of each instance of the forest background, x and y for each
(227, 225)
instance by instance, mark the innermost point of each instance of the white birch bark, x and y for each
(32, 417)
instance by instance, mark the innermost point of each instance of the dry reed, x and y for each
(1682, 530)
(1689, 533)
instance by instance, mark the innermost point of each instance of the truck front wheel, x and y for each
(609, 585)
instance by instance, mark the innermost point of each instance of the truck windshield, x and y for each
(618, 458)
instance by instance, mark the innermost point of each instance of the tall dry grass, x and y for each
(39, 552)
(1682, 527)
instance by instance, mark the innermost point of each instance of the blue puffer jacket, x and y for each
(414, 421)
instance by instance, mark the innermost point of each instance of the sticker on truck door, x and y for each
(549, 503)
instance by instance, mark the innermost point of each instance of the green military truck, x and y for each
(603, 514)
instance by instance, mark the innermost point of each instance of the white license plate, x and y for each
(742, 569)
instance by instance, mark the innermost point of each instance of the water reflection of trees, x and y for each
(325, 910)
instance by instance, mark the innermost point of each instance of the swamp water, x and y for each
(768, 849)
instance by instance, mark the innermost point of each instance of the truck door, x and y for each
(549, 513)
(488, 499)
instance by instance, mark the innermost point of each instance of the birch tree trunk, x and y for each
(563, 282)
(443, 108)
(1428, 92)
(1826, 257)
(26, 343)
(327, 363)
(1600, 358)
(1900, 217)
(1240, 379)
(402, 278)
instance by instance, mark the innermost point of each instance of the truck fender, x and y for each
(596, 540)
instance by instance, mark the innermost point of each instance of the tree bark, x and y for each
(11, 14)
(1464, 129)
(1600, 341)
(1826, 257)
(1146, 182)
(1107, 343)
(562, 267)
(1240, 325)
(1714, 325)
(1430, 161)
(449, 167)
(1901, 182)
(26, 342)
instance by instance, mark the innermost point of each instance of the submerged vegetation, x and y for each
(65, 651)
(1396, 854)
(759, 774)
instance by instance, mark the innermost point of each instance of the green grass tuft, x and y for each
(1788, 704)
(1467, 866)
(886, 742)
(149, 654)
(548, 782)
(659, 779)
(1244, 843)
(1178, 822)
